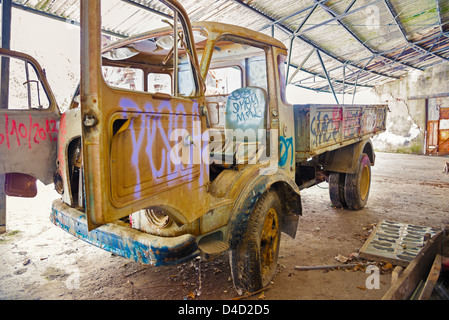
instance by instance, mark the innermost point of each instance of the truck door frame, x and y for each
(28, 137)
(99, 109)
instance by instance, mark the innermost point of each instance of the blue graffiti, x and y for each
(150, 129)
(135, 156)
(286, 148)
(246, 105)
(324, 129)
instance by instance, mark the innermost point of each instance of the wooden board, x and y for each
(431, 279)
(416, 272)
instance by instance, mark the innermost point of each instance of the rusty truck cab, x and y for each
(144, 163)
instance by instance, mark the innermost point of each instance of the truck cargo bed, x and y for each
(321, 128)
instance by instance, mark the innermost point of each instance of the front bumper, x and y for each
(122, 240)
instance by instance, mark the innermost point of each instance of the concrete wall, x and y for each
(406, 123)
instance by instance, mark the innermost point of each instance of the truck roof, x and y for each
(224, 28)
(216, 27)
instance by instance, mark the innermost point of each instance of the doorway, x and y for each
(437, 127)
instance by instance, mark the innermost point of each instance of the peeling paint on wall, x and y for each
(406, 121)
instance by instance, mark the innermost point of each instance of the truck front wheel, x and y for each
(357, 185)
(254, 261)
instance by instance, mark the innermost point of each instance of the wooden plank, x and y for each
(444, 113)
(431, 279)
(416, 271)
(396, 274)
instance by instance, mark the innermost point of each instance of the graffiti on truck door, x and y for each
(29, 132)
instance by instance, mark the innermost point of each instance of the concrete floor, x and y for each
(40, 261)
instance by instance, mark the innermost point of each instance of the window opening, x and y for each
(223, 80)
(124, 78)
(25, 90)
(159, 82)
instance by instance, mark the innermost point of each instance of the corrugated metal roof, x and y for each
(354, 42)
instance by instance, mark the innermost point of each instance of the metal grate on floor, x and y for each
(395, 242)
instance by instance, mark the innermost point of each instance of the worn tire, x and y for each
(357, 185)
(337, 189)
(254, 260)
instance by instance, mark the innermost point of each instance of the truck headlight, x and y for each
(57, 180)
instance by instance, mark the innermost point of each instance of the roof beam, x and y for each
(360, 61)
(76, 23)
(291, 15)
(147, 8)
(289, 80)
(59, 18)
(346, 13)
(350, 6)
(439, 15)
(404, 47)
(313, 89)
(343, 82)
(293, 38)
(327, 76)
(408, 45)
(401, 28)
(357, 80)
(377, 54)
(306, 40)
(313, 75)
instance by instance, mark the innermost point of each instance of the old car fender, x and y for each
(345, 159)
(288, 192)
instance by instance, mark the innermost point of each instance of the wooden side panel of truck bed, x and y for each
(321, 128)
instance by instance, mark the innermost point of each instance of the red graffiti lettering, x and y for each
(18, 133)
(63, 131)
(23, 131)
(337, 117)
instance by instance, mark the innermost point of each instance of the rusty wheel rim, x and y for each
(364, 182)
(269, 240)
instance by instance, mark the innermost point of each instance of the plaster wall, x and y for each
(406, 99)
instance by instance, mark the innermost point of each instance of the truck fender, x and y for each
(287, 191)
(345, 159)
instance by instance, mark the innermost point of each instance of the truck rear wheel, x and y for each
(357, 185)
(254, 261)
(337, 189)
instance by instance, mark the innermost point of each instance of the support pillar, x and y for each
(4, 86)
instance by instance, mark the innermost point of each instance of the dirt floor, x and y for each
(40, 261)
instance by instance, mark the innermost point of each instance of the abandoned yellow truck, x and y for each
(179, 143)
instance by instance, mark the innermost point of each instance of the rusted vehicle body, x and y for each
(169, 152)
